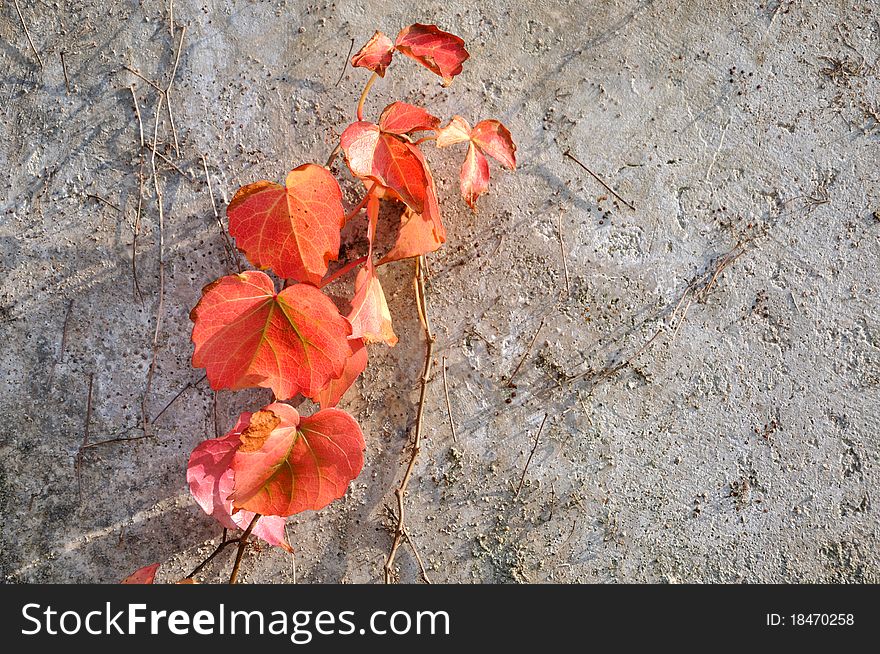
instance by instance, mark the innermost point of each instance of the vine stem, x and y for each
(217, 551)
(360, 108)
(342, 271)
(242, 546)
(400, 491)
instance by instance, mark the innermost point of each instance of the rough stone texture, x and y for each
(740, 445)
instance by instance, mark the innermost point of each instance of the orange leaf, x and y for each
(210, 480)
(301, 464)
(488, 137)
(143, 575)
(369, 317)
(417, 237)
(294, 229)
(375, 55)
(384, 158)
(474, 177)
(403, 118)
(494, 139)
(330, 395)
(248, 335)
(438, 51)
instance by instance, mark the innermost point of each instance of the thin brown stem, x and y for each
(400, 491)
(526, 353)
(213, 555)
(161, 308)
(85, 441)
(568, 154)
(332, 156)
(227, 244)
(347, 268)
(242, 546)
(432, 137)
(361, 204)
(360, 107)
(344, 64)
(448, 405)
(171, 82)
(27, 33)
(531, 454)
(64, 70)
(137, 111)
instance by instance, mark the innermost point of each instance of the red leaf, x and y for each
(403, 118)
(369, 317)
(488, 137)
(330, 395)
(210, 479)
(474, 177)
(293, 230)
(384, 158)
(494, 139)
(417, 236)
(299, 464)
(438, 51)
(143, 575)
(375, 55)
(247, 335)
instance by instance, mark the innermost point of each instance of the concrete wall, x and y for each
(740, 445)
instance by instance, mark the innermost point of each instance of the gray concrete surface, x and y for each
(740, 445)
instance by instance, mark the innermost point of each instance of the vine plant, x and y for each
(274, 462)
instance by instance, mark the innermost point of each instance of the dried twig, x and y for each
(137, 111)
(400, 491)
(562, 255)
(171, 82)
(85, 441)
(27, 33)
(242, 545)
(531, 454)
(568, 154)
(412, 544)
(104, 201)
(179, 393)
(137, 73)
(64, 331)
(183, 173)
(344, 64)
(137, 218)
(64, 70)
(227, 244)
(526, 353)
(217, 550)
(448, 405)
(161, 308)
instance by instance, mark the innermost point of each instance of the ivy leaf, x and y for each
(299, 464)
(292, 229)
(403, 118)
(488, 137)
(375, 55)
(438, 51)
(247, 335)
(210, 479)
(143, 575)
(330, 395)
(370, 318)
(417, 236)
(386, 159)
